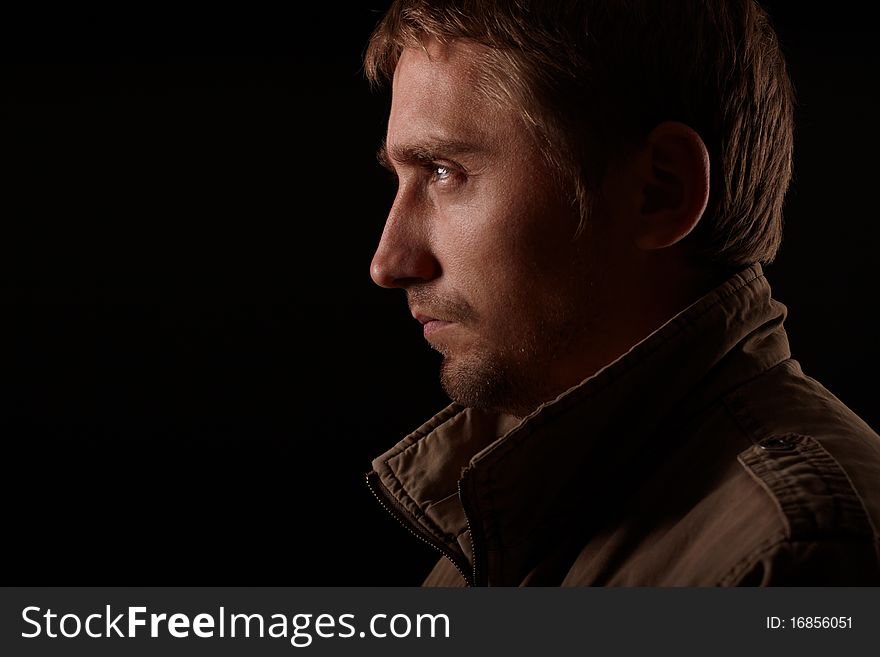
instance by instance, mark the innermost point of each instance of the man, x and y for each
(586, 194)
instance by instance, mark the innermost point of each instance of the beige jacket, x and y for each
(704, 456)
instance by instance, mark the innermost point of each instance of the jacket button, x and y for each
(778, 444)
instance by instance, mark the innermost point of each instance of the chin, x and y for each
(486, 382)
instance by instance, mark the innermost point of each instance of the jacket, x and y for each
(703, 456)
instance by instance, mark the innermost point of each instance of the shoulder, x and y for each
(814, 468)
(811, 488)
(817, 458)
(823, 529)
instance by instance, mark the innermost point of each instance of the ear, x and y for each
(673, 179)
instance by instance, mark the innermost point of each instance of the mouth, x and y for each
(431, 325)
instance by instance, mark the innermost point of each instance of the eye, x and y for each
(445, 175)
(440, 173)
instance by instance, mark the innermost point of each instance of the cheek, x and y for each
(486, 249)
(505, 245)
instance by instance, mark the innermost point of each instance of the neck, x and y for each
(631, 302)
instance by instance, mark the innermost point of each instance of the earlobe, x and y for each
(674, 185)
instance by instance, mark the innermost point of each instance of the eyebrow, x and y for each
(423, 153)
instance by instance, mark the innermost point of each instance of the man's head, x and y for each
(572, 174)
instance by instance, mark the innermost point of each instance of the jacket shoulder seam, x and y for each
(811, 490)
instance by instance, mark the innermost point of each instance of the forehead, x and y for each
(436, 92)
(439, 63)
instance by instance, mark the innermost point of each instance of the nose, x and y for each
(404, 256)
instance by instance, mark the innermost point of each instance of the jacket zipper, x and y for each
(394, 507)
(476, 543)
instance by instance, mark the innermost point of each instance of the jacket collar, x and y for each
(492, 489)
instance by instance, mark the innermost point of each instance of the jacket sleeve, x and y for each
(820, 562)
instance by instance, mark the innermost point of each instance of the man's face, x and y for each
(482, 239)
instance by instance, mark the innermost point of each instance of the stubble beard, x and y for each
(509, 379)
(478, 380)
(483, 374)
(511, 373)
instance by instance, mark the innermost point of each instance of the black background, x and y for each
(198, 367)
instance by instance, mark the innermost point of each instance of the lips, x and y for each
(431, 325)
